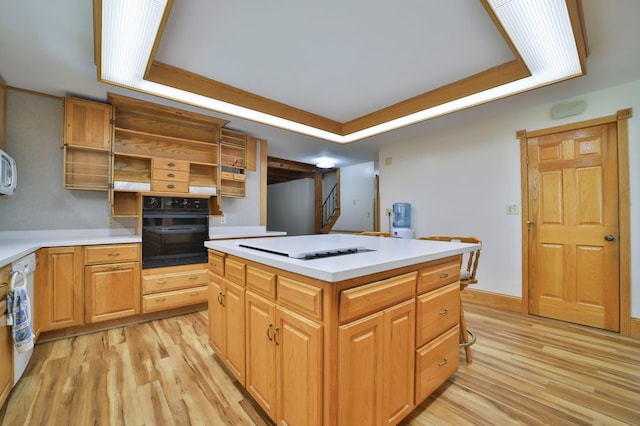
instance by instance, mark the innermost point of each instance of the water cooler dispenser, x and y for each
(401, 221)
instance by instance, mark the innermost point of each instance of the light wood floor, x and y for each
(526, 370)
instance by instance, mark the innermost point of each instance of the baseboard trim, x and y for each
(635, 328)
(492, 300)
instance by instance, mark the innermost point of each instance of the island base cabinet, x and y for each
(376, 367)
(284, 363)
(113, 291)
(226, 324)
(436, 362)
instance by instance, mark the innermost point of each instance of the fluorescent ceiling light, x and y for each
(325, 163)
(540, 30)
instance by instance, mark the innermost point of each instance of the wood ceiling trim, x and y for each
(181, 79)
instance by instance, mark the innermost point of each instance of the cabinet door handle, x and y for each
(170, 175)
(275, 336)
(444, 276)
(445, 311)
(268, 332)
(443, 362)
(170, 186)
(221, 299)
(4, 284)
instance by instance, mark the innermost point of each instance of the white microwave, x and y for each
(8, 174)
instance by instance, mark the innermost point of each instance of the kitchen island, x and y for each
(336, 329)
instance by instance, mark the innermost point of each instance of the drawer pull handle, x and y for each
(269, 336)
(445, 311)
(170, 186)
(162, 282)
(443, 362)
(113, 268)
(444, 276)
(4, 284)
(193, 278)
(171, 164)
(114, 254)
(197, 293)
(161, 299)
(170, 175)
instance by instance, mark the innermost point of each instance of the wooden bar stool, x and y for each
(467, 277)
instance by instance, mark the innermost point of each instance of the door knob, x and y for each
(609, 237)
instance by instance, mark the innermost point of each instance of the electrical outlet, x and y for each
(223, 219)
(513, 209)
(387, 212)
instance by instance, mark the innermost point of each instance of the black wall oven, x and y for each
(174, 231)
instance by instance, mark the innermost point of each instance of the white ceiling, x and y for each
(339, 59)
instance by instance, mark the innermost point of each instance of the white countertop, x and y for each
(16, 244)
(386, 254)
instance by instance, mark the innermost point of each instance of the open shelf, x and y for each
(86, 169)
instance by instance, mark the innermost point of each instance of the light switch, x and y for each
(513, 209)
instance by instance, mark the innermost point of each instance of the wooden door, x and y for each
(360, 371)
(234, 297)
(573, 237)
(60, 301)
(299, 358)
(113, 291)
(217, 317)
(261, 352)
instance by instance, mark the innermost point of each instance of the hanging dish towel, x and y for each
(19, 316)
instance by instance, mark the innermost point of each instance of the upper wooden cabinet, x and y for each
(87, 142)
(3, 115)
(233, 163)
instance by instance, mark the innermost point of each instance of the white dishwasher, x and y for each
(22, 275)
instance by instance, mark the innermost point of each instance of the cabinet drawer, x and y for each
(112, 253)
(216, 263)
(232, 176)
(437, 311)
(169, 186)
(301, 297)
(262, 282)
(174, 299)
(169, 175)
(372, 297)
(169, 164)
(234, 271)
(435, 363)
(156, 283)
(438, 275)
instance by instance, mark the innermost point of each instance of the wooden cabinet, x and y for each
(360, 351)
(112, 281)
(59, 286)
(3, 115)
(174, 287)
(162, 150)
(227, 314)
(284, 362)
(376, 365)
(233, 163)
(6, 342)
(437, 322)
(87, 143)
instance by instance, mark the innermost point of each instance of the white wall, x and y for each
(290, 207)
(357, 197)
(463, 171)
